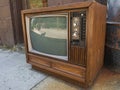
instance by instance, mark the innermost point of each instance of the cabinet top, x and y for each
(61, 7)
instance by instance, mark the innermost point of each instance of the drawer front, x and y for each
(64, 67)
(40, 61)
(68, 68)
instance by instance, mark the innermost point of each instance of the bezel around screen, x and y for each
(47, 35)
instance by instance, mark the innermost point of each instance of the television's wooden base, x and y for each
(70, 80)
(66, 71)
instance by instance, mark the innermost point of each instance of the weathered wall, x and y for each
(16, 7)
(10, 25)
(6, 30)
(114, 11)
(61, 2)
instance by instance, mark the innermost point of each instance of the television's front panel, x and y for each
(78, 37)
(61, 36)
(48, 35)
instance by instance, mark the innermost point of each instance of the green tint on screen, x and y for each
(49, 34)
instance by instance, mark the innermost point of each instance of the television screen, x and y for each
(48, 35)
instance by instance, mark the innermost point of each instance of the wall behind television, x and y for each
(10, 18)
(6, 29)
(61, 2)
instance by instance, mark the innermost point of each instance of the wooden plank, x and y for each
(16, 7)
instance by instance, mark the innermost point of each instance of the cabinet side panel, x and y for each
(24, 33)
(95, 40)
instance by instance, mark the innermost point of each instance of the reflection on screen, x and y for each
(48, 34)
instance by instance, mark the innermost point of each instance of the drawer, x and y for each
(58, 65)
(68, 68)
(40, 61)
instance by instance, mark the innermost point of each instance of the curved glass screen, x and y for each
(48, 35)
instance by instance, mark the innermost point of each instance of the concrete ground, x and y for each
(16, 74)
(107, 80)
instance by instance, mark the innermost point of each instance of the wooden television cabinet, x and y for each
(85, 52)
